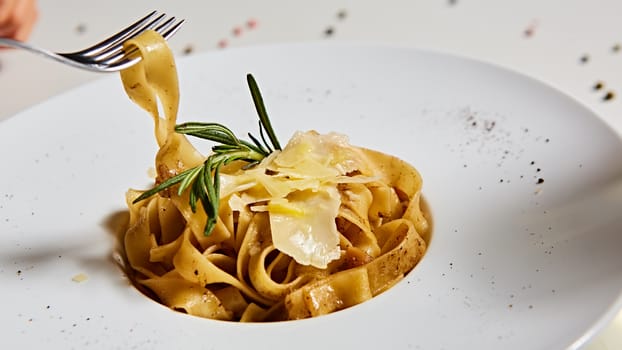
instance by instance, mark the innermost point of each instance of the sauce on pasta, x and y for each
(314, 228)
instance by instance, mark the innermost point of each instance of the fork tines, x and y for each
(109, 55)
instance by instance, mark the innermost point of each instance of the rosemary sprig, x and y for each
(204, 180)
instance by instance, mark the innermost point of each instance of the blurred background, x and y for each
(573, 45)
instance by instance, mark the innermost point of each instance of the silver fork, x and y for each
(108, 55)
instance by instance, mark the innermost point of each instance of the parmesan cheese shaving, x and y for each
(298, 188)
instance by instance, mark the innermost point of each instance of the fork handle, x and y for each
(38, 51)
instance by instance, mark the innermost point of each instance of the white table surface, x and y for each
(572, 44)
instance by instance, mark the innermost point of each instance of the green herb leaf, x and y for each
(261, 111)
(210, 131)
(188, 179)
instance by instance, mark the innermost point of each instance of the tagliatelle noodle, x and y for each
(248, 269)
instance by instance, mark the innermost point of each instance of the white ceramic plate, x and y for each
(513, 263)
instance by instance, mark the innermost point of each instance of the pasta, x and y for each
(314, 228)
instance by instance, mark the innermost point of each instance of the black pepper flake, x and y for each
(540, 180)
(81, 28)
(610, 95)
(452, 2)
(598, 85)
(584, 59)
(532, 162)
(342, 14)
(328, 32)
(188, 49)
(616, 48)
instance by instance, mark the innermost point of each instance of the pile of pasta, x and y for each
(248, 269)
